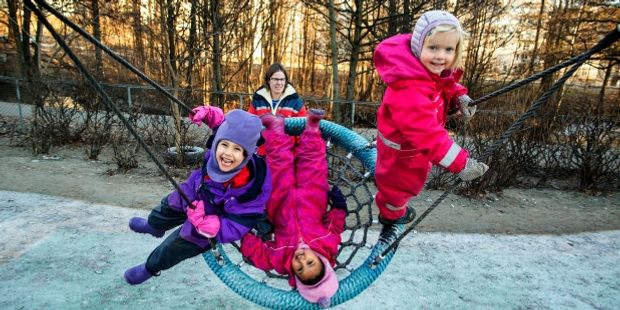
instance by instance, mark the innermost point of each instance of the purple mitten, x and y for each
(212, 116)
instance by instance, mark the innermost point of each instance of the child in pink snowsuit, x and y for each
(306, 234)
(419, 70)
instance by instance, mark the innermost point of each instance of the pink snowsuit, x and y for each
(298, 205)
(410, 122)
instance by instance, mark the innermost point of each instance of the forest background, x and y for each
(217, 52)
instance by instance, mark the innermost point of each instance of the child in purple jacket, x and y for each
(228, 195)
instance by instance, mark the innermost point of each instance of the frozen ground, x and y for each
(57, 253)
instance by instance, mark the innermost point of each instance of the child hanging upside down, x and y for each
(306, 234)
(228, 195)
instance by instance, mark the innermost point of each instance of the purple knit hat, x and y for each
(426, 23)
(239, 127)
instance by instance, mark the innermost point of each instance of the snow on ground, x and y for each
(57, 253)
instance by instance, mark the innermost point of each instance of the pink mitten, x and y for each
(212, 116)
(210, 226)
(197, 214)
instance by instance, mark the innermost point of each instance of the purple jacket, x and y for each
(239, 209)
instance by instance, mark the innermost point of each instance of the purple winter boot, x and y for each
(272, 122)
(141, 225)
(138, 274)
(313, 120)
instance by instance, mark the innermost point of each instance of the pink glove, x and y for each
(207, 226)
(212, 116)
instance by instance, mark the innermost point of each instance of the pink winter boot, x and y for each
(272, 122)
(313, 120)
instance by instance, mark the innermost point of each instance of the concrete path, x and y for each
(57, 253)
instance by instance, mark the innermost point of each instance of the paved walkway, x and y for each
(57, 253)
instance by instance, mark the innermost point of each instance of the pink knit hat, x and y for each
(322, 291)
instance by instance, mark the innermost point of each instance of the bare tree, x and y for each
(334, 48)
(139, 54)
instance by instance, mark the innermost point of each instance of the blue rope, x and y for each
(355, 283)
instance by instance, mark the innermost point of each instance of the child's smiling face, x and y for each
(229, 155)
(439, 51)
(306, 265)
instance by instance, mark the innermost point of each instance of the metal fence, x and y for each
(565, 146)
(151, 101)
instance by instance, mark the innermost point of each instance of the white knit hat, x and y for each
(426, 23)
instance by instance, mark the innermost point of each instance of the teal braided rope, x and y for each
(341, 136)
(355, 283)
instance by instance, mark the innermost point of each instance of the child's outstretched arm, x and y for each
(334, 218)
(255, 250)
(212, 116)
(189, 188)
(459, 100)
(235, 226)
(423, 133)
(456, 95)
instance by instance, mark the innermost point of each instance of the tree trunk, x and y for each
(139, 56)
(347, 109)
(191, 45)
(392, 17)
(97, 35)
(334, 48)
(405, 26)
(16, 34)
(530, 67)
(216, 55)
(170, 30)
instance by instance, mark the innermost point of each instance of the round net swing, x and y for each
(351, 161)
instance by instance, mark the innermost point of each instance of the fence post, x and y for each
(129, 104)
(18, 96)
(352, 113)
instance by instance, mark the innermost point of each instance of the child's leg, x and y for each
(398, 179)
(161, 218)
(172, 251)
(164, 217)
(311, 163)
(280, 158)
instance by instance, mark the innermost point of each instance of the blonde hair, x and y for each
(461, 35)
